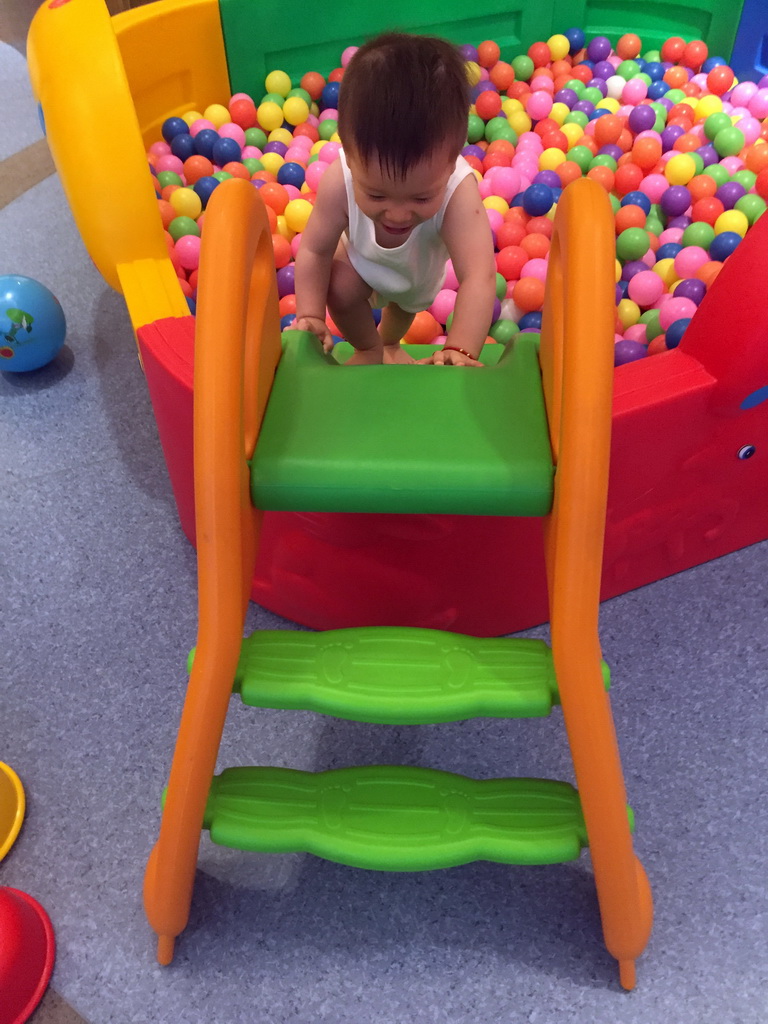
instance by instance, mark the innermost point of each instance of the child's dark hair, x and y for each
(402, 98)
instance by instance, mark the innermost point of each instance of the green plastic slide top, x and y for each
(397, 676)
(393, 818)
(405, 438)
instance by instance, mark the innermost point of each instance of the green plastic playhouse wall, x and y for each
(262, 35)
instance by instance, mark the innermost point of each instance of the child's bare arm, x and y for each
(315, 256)
(467, 235)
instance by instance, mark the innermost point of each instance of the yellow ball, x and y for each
(280, 135)
(191, 116)
(186, 202)
(474, 72)
(559, 46)
(707, 105)
(608, 104)
(272, 162)
(559, 112)
(617, 271)
(509, 105)
(628, 312)
(496, 203)
(297, 214)
(317, 146)
(573, 132)
(666, 271)
(680, 169)
(551, 158)
(295, 110)
(282, 226)
(732, 220)
(520, 121)
(278, 82)
(217, 113)
(270, 115)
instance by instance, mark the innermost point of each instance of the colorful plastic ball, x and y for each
(173, 126)
(723, 245)
(204, 142)
(674, 333)
(680, 169)
(645, 288)
(183, 146)
(575, 37)
(330, 95)
(632, 244)
(443, 304)
(225, 150)
(204, 187)
(32, 324)
(181, 226)
(675, 200)
(291, 174)
(217, 114)
(729, 141)
(528, 294)
(626, 351)
(691, 288)
(537, 200)
(297, 213)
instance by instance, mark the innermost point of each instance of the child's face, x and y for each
(398, 205)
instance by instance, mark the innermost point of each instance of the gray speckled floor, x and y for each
(97, 602)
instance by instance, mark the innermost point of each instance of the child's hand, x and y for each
(316, 325)
(452, 357)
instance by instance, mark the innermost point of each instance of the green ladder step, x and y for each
(397, 676)
(393, 818)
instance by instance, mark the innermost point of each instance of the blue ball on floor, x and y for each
(32, 324)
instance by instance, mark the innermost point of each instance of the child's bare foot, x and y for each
(365, 357)
(396, 354)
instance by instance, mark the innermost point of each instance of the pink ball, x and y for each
(160, 149)
(329, 152)
(443, 305)
(634, 91)
(637, 332)
(542, 82)
(296, 155)
(315, 171)
(169, 162)
(251, 152)
(199, 124)
(230, 130)
(743, 93)
(239, 96)
(451, 281)
(676, 309)
(758, 105)
(689, 259)
(505, 182)
(654, 186)
(495, 219)
(732, 164)
(750, 127)
(188, 251)
(295, 243)
(347, 55)
(293, 192)
(535, 268)
(329, 114)
(670, 235)
(645, 288)
(529, 141)
(485, 188)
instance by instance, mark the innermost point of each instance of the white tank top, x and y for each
(412, 273)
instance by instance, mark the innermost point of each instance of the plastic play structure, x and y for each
(681, 491)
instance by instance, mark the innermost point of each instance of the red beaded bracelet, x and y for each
(455, 348)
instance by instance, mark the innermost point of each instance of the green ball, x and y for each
(576, 85)
(302, 94)
(475, 128)
(603, 160)
(654, 225)
(615, 203)
(751, 206)
(632, 244)
(255, 137)
(504, 331)
(628, 69)
(501, 287)
(745, 178)
(715, 123)
(675, 95)
(592, 95)
(168, 178)
(577, 117)
(500, 128)
(273, 97)
(523, 67)
(221, 175)
(699, 233)
(181, 226)
(251, 164)
(729, 141)
(698, 161)
(328, 128)
(718, 173)
(582, 156)
(651, 319)
(652, 57)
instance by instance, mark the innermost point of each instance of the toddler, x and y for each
(398, 202)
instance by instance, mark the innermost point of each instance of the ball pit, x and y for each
(680, 145)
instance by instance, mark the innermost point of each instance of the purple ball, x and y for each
(474, 151)
(276, 147)
(642, 118)
(603, 69)
(679, 222)
(468, 52)
(675, 200)
(691, 288)
(599, 49)
(729, 193)
(496, 310)
(670, 135)
(633, 267)
(618, 294)
(628, 351)
(547, 178)
(610, 150)
(566, 96)
(599, 84)
(584, 106)
(708, 154)
(285, 281)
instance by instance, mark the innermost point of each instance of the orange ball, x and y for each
(629, 216)
(707, 272)
(275, 195)
(282, 251)
(701, 187)
(496, 159)
(168, 191)
(167, 212)
(603, 176)
(628, 46)
(673, 49)
(707, 209)
(539, 226)
(488, 53)
(237, 170)
(423, 330)
(536, 245)
(646, 152)
(336, 75)
(756, 158)
(502, 146)
(307, 129)
(540, 54)
(287, 305)
(567, 172)
(555, 140)
(314, 83)
(608, 128)
(686, 143)
(625, 140)
(196, 167)
(502, 75)
(675, 77)
(488, 104)
(582, 72)
(695, 54)
(658, 345)
(510, 232)
(243, 112)
(528, 294)
(628, 176)
(546, 125)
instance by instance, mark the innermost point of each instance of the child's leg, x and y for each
(348, 296)
(394, 323)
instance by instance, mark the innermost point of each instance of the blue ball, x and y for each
(191, 305)
(637, 198)
(722, 245)
(291, 174)
(173, 126)
(575, 37)
(225, 150)
(287, 320)
(183, 146)
(655, 70)
(204, 141)
(712, 62)
(329, 97)
(657, 89)
(675, 332)
(668, 251)
(538, 200)
(530, 320)
(32, 324)
(204, 187)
